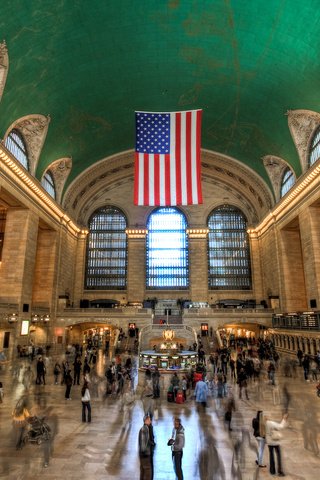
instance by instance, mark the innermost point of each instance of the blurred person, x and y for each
(77, 371)
(177, 442)
(68, 382)
(314, 370)
(147, 397)
(56, 372)
(1, 392)
(85, 400)
(41, 372)
(128, 400)
(259, 433)
(273, 440)
(306, 366)
(230, 407)
(201, 393)
(243, 383)
(20, 416)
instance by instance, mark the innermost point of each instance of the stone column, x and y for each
(80, 266)
(18, 256)
(198, 265)
(257, 276)
(45, 266)
(309, 222)
(136, 278)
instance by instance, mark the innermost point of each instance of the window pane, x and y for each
(107, 250)
(167, 250)
(314, 153)
(48, 184)
(228, 250)
(15, 144)
(288, 181)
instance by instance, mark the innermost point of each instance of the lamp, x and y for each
(13, 318)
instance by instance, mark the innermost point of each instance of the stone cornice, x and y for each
(20, 179)
(298, 194)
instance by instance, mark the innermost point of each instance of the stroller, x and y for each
(38, 431)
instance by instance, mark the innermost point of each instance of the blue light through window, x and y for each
(167, 250)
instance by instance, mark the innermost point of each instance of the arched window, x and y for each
(15, 144)
(167, 250)
(228, 250)
(106, 267)
(48, 184)
(287, 181)
(314, 153)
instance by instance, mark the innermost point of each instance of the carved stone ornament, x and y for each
(60, 170)
(275, 167)
(302, 124)
(4, 65)
(34, 131)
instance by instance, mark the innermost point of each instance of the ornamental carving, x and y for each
(34, 131)
(302, 124)
(275, 167)
(60, 170)
(4, 65)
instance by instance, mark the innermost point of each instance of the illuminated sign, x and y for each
(25, 327)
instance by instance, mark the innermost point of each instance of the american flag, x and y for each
(167, 158)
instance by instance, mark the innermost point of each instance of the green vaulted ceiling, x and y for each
(90, 64)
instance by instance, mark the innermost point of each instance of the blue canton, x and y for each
(152, 132)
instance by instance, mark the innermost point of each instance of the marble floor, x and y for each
(107, 448)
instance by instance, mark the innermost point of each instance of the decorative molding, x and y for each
(302, 124)
(34, 130)
(98, 182)
(306, 186)
(60, 170)
(275, 167)
(25, 183)
(136, 232)
(4, 66)
(197, 232)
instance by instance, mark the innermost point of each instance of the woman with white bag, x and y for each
(273, 440)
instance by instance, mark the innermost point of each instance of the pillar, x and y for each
(198, 264)
(136, 278)
(18, 257)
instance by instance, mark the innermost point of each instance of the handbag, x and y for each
(275, 435)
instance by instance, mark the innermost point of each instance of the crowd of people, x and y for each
(219, 376)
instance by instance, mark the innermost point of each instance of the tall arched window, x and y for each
(106, 267)
(16, 145)
(228, 250)
(314, 153)
(48, 184)
(167, 250)
(287, 181)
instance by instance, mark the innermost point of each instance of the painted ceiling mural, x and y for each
(90, 64)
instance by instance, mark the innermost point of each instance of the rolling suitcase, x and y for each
(179, 397)
(170, 396)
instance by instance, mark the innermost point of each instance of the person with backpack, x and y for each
(259, 433)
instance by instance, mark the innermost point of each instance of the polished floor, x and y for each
(106, 448)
